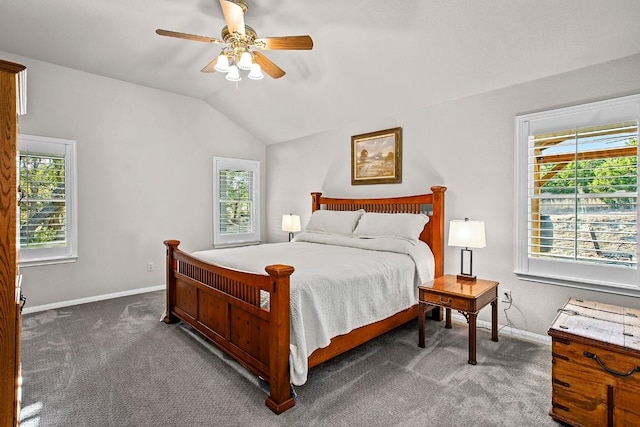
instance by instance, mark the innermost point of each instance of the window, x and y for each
(236, 210)
(47, 208)
(577, 196)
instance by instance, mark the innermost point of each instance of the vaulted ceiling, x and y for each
(371, 58)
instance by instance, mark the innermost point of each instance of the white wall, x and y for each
(144, 176)
(468, 146)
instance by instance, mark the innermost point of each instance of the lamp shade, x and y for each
(222, 65)
(245, 61)
(291, 223)
(467, 234)
(233, 75)
(256, 72)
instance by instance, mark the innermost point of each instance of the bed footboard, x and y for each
(225, 306)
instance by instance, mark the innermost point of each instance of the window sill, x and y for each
(235, 245)
(617, 289)
(47, 261)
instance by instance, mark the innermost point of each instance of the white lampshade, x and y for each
(222, 64)
(467, 234)
(291, 223)
(233, 75)
(256, 72)
(245, 61)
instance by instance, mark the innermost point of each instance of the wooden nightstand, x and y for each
(468, 297)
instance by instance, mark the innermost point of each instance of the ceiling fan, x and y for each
(241, 45)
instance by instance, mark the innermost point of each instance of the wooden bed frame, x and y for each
(224, 305)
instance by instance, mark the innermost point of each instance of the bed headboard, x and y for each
(431, 204)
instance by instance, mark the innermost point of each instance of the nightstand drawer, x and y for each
(447, 301)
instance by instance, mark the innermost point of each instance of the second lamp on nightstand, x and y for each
(466, 234)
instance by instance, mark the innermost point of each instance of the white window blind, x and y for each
(43, 204)
(583, 192)
(577, 196)
(236, 201)
(47, 232)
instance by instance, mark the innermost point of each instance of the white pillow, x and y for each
(397, 225)
(333, 222)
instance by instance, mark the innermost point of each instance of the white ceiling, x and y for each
(371, 58)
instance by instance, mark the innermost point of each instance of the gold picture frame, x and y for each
(376, 157)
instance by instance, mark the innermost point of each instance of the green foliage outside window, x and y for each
(599, 176)
(43, 204)
(236, 201)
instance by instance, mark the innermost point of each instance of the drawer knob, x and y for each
(609, 370)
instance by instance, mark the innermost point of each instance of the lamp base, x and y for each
(466, 277)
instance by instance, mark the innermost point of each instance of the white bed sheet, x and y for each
(339, 284)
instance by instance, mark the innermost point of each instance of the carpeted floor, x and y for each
(112, 363)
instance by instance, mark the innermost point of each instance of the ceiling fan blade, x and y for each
(285, 43)
(233, 16)
(188, 36)
(268, 66)
(210, 67)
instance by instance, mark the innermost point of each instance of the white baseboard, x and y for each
(455, 317)
(505, 330)
(61, 304)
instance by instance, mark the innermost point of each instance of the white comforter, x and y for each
(340, 283)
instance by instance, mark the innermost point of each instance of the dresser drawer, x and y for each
(447, 301)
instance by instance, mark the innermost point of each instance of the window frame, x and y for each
(597, 277)
(241, 239)
(47, 146)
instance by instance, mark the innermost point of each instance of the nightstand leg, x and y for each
(494, 320)
(472, 338)
(422, 312)
(447, 322)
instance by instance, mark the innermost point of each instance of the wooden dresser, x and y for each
(596, 365)
(9, 284)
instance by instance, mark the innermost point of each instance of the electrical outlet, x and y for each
(150, 266)
(506, 296)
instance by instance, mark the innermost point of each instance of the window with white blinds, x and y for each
(577, 195)
(236, 201)
(46, 172)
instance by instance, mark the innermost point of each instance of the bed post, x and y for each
(437, 228)
(280, 398)
(315, 201)
(437, 239)
(170, 293)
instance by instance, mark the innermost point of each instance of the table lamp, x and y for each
(466, 234)
(291, 223)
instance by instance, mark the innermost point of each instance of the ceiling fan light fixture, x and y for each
(222, 65)
(256, 72)
(241, 45)
(245, 61)
(234, 74)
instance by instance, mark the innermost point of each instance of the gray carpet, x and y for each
(112, 363)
